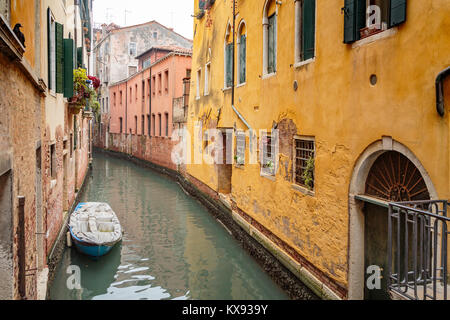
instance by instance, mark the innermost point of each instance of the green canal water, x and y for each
(172, 247)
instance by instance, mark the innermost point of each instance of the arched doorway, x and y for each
(392, 178)
(387, 171)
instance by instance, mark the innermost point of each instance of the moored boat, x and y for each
(94, 228)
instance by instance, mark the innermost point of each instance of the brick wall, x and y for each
(18, 137)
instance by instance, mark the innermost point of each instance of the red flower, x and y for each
(95, 81)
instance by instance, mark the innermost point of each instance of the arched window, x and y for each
(242, 53)
(228, 58)
(270, 37)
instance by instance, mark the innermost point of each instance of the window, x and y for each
(272, 31)
(207, 78)
(154, 85)
(269, 37)
(159, 83)
(199, 78)
(148, 85)
(305, 29)
(136, 91)
(363, 18)
(242, 54)
(154, 124)
(160, 127)
(268, 154)
(166, 81)
(103, 105)
(167, 124)
(146, 64)
(155, 35)
(131, 94)
(114, 99)
(143, 125)
(132, 49)
(53, 161)
(135, 125)
(240, 148)
(52, 51)
(121, 97)
(149, 125)
(121, 124)
(107, 104)
(229, 65)
(143, 89)
(304, 162)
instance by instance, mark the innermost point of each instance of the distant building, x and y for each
(117, 50)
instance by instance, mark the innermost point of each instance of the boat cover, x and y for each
(96, 223)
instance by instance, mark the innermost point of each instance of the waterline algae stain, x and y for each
(172, 247)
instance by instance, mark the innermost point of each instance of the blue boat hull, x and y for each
(90, 249)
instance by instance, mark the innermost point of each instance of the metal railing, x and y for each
(417, 249)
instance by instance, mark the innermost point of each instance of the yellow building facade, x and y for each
(342, 105)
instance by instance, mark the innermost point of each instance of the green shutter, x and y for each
(68, 68)
(49, 54)
(80, 57)
(350, 21)
(397, 12)
(242, 58)
(308, 28)
(59, 44)
(361, 17)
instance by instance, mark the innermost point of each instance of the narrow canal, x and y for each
(172, 247)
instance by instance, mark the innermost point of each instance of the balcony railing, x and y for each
(417, 250)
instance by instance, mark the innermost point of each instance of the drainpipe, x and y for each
(440, 91)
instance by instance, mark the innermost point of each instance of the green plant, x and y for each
(81, 89)
(308, 173)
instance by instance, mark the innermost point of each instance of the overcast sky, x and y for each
(171, 13)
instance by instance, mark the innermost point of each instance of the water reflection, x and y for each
(172, 247)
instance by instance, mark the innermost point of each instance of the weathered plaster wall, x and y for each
(336, 104)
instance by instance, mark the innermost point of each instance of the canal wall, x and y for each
(295, 280)
(60, 242)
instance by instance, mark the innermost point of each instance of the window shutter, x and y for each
(229, 64)
(49, 55)
(242, 59)
(59, 44)
(272, 44)
(68, 68)
(80, 57)
(350, 34)
(398, 12)
(308, 28)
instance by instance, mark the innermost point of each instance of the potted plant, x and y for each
(81, 92)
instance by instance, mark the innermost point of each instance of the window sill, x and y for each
(269, 75)
(300, 64)
(52, 183)
(303, 190)
(379, 36)
(241, 84)
(197, 98)
(226, 89)
(239, 166)
(267, 176)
